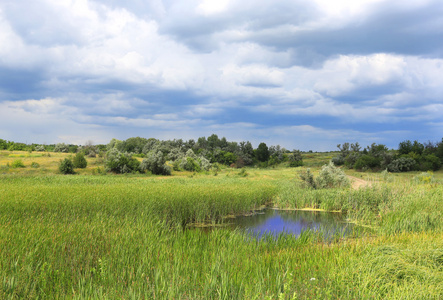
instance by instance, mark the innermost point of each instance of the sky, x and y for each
(303, 74)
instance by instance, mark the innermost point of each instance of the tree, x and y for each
(262, 152)
(134, 145)
(405, 147)
(66, 166)
(61, 147)
(246, 153)
(119, 162)
(3, 144)
(295, 160)
(155, 163)
(79, 161)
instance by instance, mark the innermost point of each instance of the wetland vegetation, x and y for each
(105, 236)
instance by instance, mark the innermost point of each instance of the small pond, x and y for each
(274, 222)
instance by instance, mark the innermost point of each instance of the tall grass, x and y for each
(392, 207)
(108, 237)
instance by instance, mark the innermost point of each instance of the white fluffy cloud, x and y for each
(189, 67)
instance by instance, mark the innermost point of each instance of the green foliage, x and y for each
(66, 166)
(133, 145)
(262, 152)
(276, 154)
(121, 163)
(79, 161)
(35, 165)
(330, 176)
(425, 177)
(190, 164)
(308, 178)
(243, 173)
(61, 147)
(367, 161)
(40, 148)
(295, 159)
(425, 158)
(402, 164)
(294, 164)
(18, 163)
(12, 146)
(155, 163)
(3, 144)
(386, 176)
(109, 237)
(429, 162)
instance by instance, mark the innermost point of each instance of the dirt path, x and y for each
(357, 183)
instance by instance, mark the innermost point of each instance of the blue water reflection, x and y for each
(294, 222)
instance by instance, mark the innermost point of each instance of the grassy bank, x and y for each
(109, 237)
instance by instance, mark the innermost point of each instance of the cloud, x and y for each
(248, 69)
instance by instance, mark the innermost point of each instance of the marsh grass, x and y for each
(108, 237)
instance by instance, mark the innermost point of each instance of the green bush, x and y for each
(18, 163)
(190, 164)
(330, 177)
(366, 161)
(425, 177)
(402, 164)
(35, 165)
(429, 162)
(155, 163)
(296, 163)
(308, 178)
(66, 166)
(61, 147)
(79, 161)
(118, 162)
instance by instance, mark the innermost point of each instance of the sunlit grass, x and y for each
(89, 236)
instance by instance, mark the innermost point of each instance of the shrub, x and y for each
(296, 163)
(66, 166)
(330, 176)
(243, 173)
(79, 161)
(295, 160)
(40, 148)
(61, 147)
(402, 164)
(215, 168)
(35, 165)
(430, 162)
(155, 163)
(190, 164)
(204, 163)
(308, 178)
(338, 160)
(425, 177)
(386, 176)
(18, 163)
(366, 161)
(118, 162)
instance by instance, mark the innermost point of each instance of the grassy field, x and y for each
(95, 236)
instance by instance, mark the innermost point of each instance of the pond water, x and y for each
(274, 222)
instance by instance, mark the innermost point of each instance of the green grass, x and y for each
(127, 237)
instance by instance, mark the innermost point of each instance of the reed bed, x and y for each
(109, 237)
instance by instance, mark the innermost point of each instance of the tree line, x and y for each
(410, 156)
(210, 153)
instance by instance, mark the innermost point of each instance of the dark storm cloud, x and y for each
(291, 72)
(16, 84)
(385, 29)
